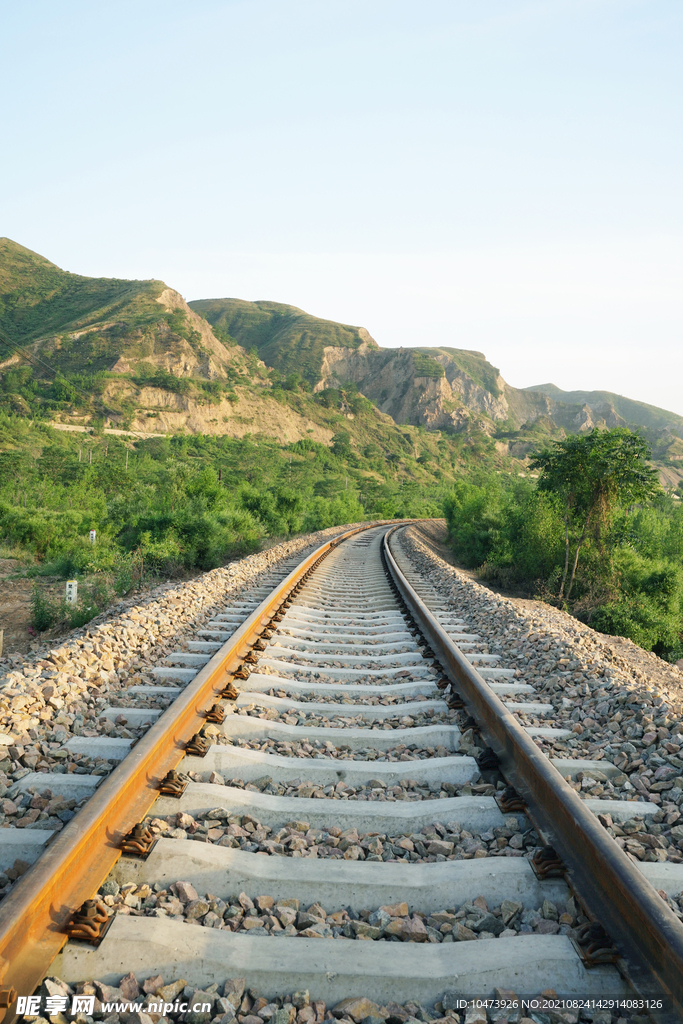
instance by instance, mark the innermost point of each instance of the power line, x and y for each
(36, 360)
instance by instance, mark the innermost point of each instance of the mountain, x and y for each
(439, 388)
(285, 337)
(134, 355)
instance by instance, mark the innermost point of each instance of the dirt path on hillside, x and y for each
(15, 607)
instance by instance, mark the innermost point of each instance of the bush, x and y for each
(474, 517)
(630, 579)
(46, 612)
(43, 611)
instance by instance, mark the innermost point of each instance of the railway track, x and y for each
(326, 797)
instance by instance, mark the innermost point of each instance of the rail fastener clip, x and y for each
(215, 714)
(139, 842)
(488, 760)
(510, 802)
(229, 691)
(547, 863)
(89, 923)
(198, 746)
(173, 784)
(594, 945)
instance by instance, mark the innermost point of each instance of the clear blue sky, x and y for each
(503, 175)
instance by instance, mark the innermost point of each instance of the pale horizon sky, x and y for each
(503, 175)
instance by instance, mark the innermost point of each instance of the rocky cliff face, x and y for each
(391, 378)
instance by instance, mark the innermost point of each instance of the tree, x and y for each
(341, 444)
(594, 474)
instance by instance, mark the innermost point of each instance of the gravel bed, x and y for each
(373, 789)
(320, 748)
(621, 703)
(657, 838)
(375, 700)
(311, 664)
(144, 701)
(318, 675)
(265, 916)
(235, 1000)
(437, 842)
(32, 810)
(340, 720)
(286, 638)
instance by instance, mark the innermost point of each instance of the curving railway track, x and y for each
(306, 783)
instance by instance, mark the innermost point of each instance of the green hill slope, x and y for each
(285, 337)
(66, 338)
(37, 298)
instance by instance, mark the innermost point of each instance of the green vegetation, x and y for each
(169, 505)
(591, 535)
(633, 412)
(426, 366)
(285, 337)
(594, 474)
(597, 499)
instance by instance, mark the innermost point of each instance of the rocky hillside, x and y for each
(439, 388)
(445, 389)
(135, 355)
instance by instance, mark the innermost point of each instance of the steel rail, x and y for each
(33, 916)
(647, 934)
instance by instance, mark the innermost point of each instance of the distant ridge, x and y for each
(630, 409)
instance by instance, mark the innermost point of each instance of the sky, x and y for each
(498, 175)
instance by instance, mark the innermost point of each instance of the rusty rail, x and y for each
(34, 915)
(647, 934)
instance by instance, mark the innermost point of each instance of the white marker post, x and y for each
(71, 591)
(93, 535)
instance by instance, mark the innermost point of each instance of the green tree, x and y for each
(594, 474)
(341, 444)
